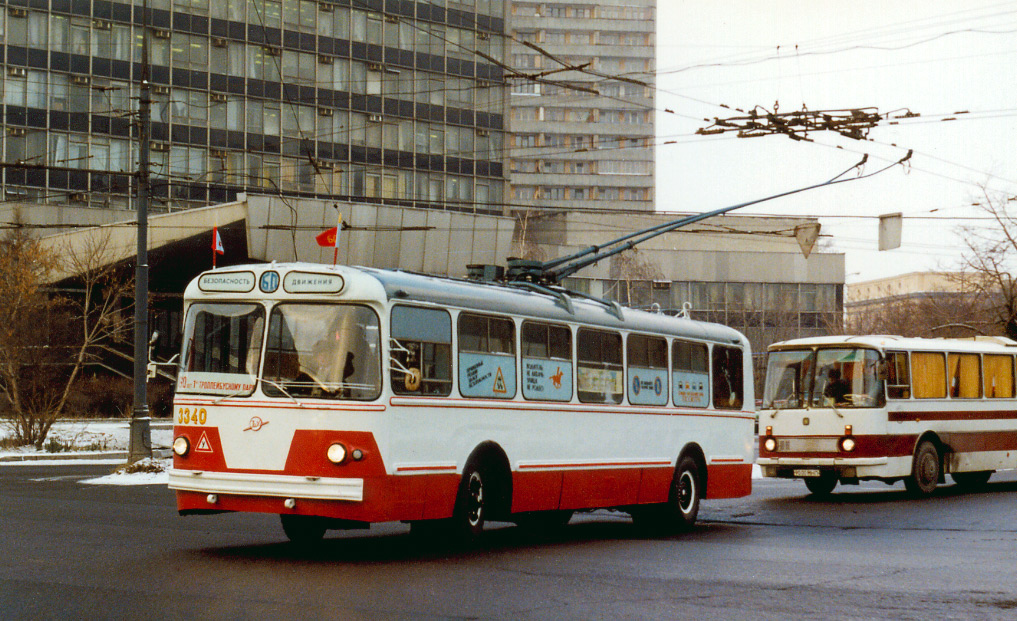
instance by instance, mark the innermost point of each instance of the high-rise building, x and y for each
(582, 104)
(389, 101)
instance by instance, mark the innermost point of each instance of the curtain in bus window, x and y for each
(647, 369)
(421, 351)
(600, 377)
(487, 361)
(547, 362)
(998, 372)
(928, 375)
(691, 375)
(324, 351)
(727, 378)
(965, 376)
(222, 349)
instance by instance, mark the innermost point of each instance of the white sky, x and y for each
(954, 56)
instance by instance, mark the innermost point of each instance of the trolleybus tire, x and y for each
(303, 529)
(822, 485)
(679, 513)
(472, 503)
(925, 470)
(971, 480)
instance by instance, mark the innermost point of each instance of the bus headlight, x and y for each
(181, 446)
(336, 453)
(847, 444)
(770, 444)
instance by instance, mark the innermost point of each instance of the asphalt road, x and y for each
(81, 551)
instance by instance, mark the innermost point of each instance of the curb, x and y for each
(73, 456)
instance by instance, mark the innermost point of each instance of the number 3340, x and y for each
(186, 417)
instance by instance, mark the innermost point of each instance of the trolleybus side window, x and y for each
(421, 351)
(600, 375)
(647, 370)
(691, 376)
(727, 378)
(898, 380)
(222, 348)
(487, 360)
(965, 376)
(547, 361)
(326, 351)
(928, 375)
(998, 371)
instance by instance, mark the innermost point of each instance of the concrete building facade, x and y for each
(582, 122)
(385, 101)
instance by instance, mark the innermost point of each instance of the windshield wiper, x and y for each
(282, 390)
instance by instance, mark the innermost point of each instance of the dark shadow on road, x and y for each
(850, 495)
(367, 547)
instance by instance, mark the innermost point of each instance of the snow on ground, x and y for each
(80, 436)
(161, 477)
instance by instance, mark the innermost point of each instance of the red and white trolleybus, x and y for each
(846, 409)
(336, 397)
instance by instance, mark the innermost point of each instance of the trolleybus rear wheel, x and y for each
(925, 470)
(679, 513)
(303, 529)
(822, 485)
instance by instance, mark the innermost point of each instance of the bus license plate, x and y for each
(806, 472)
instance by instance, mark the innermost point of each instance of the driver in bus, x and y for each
(837, 388)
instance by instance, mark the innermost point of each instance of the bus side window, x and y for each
(691, 375)
(647, 369)
(547, 361)
(727, 378)
(600, 376)
(898, 380)
(998, 376)
(929, 375)
(965, 376)
(487, 356)
(421, 351)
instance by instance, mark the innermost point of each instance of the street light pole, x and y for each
(141, 435)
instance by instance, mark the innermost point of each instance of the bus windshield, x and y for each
(222, 348)
(325, 351)
(840, 378)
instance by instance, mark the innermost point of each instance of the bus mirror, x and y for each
(882, 370)
(412, 379)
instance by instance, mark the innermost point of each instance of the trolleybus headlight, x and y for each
(847, 444)
(770, 444)
(337, 453)
(181, 446)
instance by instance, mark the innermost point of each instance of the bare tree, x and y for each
(990, 259)
(48, 337)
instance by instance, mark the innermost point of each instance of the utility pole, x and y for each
(141, 434)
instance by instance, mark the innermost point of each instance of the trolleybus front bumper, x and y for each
(319, 488)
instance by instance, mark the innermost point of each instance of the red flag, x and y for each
(217, 247)
(329, 238)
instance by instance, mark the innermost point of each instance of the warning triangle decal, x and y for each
(499, 383)
(203, 444)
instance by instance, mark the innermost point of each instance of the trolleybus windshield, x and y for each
(841, 377)
(222, 348)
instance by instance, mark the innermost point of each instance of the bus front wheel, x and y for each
(303, 529)
(822, 485)
(470, 512)
(925, 470)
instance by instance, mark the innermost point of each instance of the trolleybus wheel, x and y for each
(470, 512)
(679, 513)
(822, 485)
(971, 479)
(925, 470)
(303, 529)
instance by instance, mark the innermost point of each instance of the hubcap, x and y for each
(686, 491)
(475, 494)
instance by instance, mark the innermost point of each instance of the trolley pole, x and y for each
(141, 435)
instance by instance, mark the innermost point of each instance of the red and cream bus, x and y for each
(338, 396)
(847, 409)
